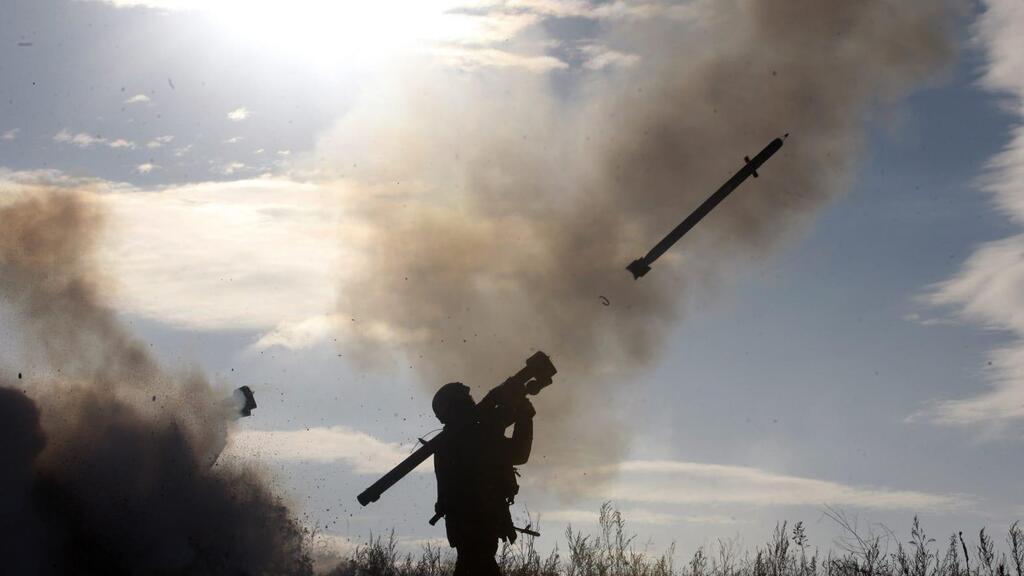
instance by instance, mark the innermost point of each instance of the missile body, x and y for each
(642, 266)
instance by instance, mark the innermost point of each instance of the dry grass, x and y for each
(612, 551)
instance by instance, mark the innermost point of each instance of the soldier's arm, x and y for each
(522, 435)
(442, 473)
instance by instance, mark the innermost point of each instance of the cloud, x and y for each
(239, 114)
(298, 335)
(633, 516)
(490, 27)
(599, 57)
(660, 482)
(183, 150)
(146, 168)
(233, 140)
(159, 141)
(82, 140)
(636, 516)
(25, 182)
(312, 331)
(240, 255)
(988, 290)
(650, 482)
(85, 140)
(712, 519)
(467, 34)
(10, 134)
(137, 99)
(472, 58)
(614, 10)
(672, 482)
(930, 321)
(256, 254)
(362, 452)
(230, 168)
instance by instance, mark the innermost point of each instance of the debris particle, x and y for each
(605, 301)
(246, 400)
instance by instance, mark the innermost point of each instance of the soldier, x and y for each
(476, 478)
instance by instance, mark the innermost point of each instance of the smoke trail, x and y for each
(106, 462)
(498, 210)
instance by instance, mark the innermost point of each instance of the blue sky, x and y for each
(850, 358)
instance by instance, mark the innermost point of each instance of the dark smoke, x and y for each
(496, 212)
(106, 465)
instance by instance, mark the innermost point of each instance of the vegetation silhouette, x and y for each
(613, 551)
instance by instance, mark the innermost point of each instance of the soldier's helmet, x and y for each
(452, 401)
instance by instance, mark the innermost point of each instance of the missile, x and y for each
(642, 266)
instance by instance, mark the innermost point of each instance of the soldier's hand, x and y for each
(526, 408)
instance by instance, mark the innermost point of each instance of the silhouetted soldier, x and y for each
(476, 478)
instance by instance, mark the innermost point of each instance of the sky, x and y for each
(273, 173)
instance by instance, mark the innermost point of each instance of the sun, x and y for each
(353, 33)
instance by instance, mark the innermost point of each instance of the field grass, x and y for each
(612, 551)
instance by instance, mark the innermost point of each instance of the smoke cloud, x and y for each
(497, 208)
(107, 464)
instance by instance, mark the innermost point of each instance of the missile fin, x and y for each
(638, 267)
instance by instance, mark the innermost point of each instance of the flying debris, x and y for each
(245, 400)
(642, 266)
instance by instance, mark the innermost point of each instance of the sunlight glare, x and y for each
(329, 33)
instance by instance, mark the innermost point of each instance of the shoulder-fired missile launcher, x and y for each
(534, 377)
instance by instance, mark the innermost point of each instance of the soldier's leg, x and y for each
(488, 565)
(475, 557)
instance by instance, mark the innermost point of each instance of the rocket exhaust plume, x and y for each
(106, 465)
(496, 212)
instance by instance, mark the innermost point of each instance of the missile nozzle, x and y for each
(638, 267)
